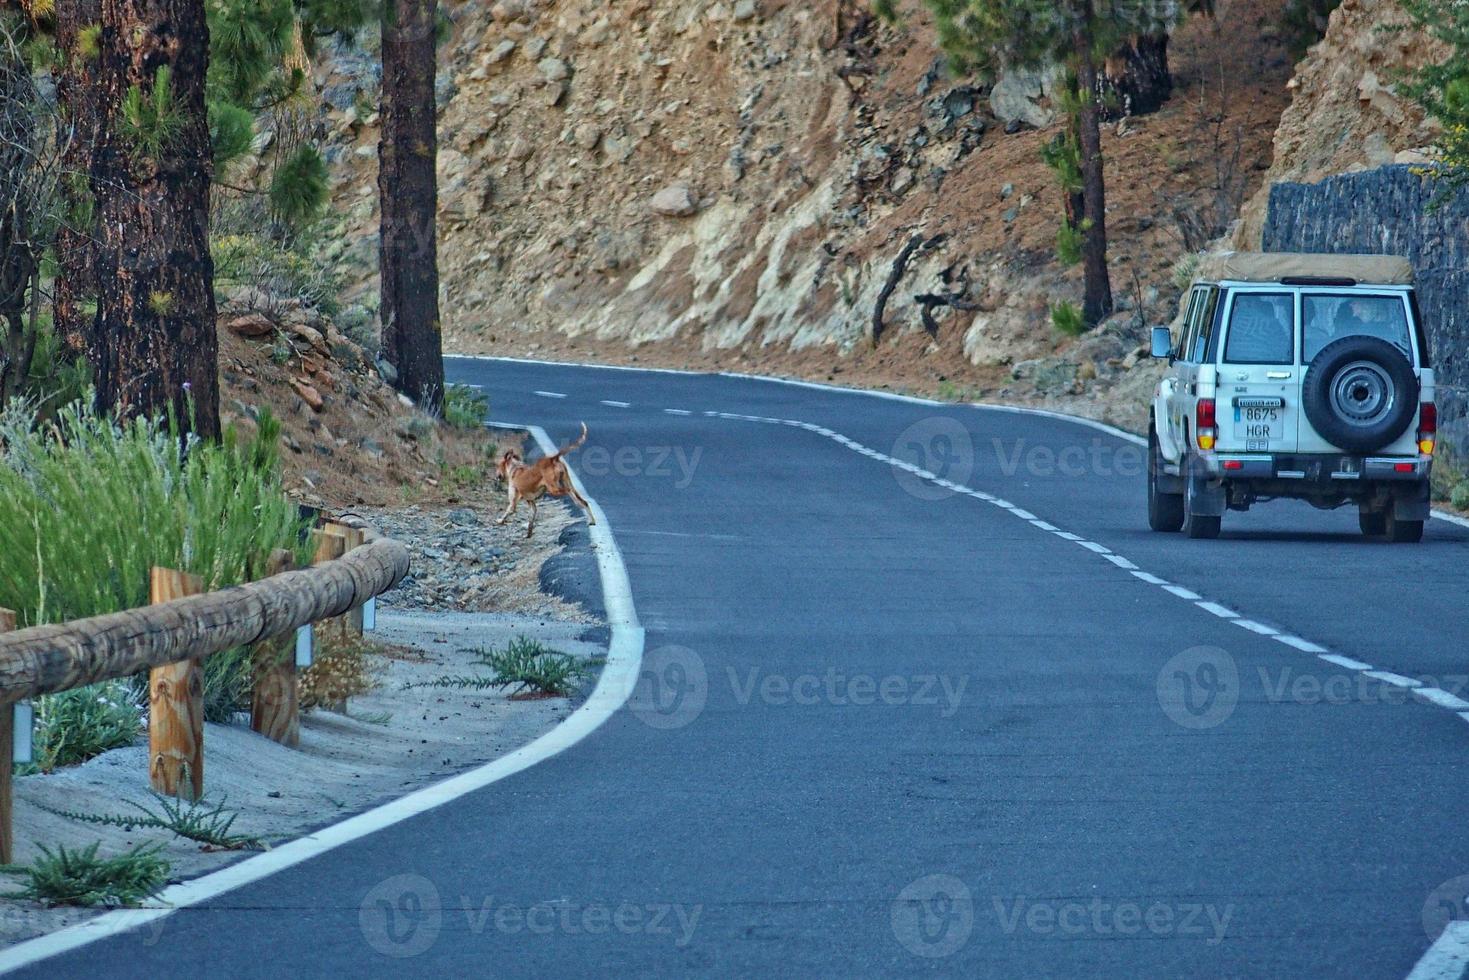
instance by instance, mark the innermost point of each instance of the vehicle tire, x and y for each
(1165, 510)
(1403, 532)
(1372, 523)
(1197, 525)
(1360, 394)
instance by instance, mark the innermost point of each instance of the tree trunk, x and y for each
(154, 350)
(1136, 80)
(1097, 303)
(19, 255)
(408, 191)
(76, 82)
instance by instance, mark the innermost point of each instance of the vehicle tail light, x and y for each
(1204, 425)
(1427, 427)
(1403, 467)
(1234, 464)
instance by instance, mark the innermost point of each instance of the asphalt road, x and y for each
(889, 727)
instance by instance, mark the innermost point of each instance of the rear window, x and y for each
(1261, 329)
(1330, 318)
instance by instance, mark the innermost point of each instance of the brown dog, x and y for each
(530, 481)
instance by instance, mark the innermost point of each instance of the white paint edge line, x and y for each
(1024, 515)
(1093, 546)
(1442, 698)
(1464, 715)
(1044, 526)
(619, 678)
(1340, 661)
(1150, 578)
(1121, 562)
(1451, 518)
(1189, 595)
(678, 411)
(1388, 677)
(1215, 609)
(1305, 646)
(613, 404)
(1254, 627)
(1448, 957)
(549, 394)
(1066, 535)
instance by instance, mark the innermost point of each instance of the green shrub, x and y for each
(275, 269)
(82, 878)
(464, 407)
(531, 666)
(1459, 496)
(1067, 319)
(207, 823)
(87, 508)
(73, 726)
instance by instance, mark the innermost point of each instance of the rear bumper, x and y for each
(1342, 471)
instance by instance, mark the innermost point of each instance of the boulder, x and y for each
(674, 201)
(252, 325)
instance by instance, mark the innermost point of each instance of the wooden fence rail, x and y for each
(172, 637)
(44, 659)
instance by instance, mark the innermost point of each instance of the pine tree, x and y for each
(77, 34)
(408, 191)
(988, 35)
(153, 349)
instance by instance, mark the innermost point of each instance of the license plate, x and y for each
(1258, 426)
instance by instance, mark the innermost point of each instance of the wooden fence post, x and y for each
(7, 765)
(331, 544)
(176, 705)
(274, 694)
(356, 538)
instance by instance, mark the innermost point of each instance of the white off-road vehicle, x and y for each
(1300, 376)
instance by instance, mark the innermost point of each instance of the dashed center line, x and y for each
(1428, 693)
(678, 411)
(549, 394)
(614, 404)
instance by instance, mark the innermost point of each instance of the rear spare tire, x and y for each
(1360, 394)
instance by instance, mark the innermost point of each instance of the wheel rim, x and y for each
(1362, 394)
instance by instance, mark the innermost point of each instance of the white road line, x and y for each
(613, 404)
(1448, 957)
(678, 411)
(616, 684)
(550, 394)
(1430, 695)
(1340, 661)
(1305, 646)
(1255, 627)
(1388, 677)
(1442, 698)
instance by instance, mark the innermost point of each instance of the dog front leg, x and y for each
(510, 507)
(531, 528)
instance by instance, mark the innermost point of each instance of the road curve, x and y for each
(923, 696)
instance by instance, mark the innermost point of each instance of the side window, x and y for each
(1191, 326)
(1189, 316)
(1261, 329)
(1203, 349)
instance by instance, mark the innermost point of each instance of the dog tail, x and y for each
(573, 446)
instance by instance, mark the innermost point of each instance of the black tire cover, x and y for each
(1385, 413)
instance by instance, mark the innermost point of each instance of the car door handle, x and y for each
(1278, 375)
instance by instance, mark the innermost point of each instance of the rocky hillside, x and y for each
(739, 182)
(1344, 115)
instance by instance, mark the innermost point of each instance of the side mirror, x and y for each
(1162, 342)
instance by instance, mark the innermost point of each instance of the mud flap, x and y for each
(1206, 497)
(1412, 503)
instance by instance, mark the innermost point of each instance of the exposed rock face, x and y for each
(1387, 211)
(1345, 115)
